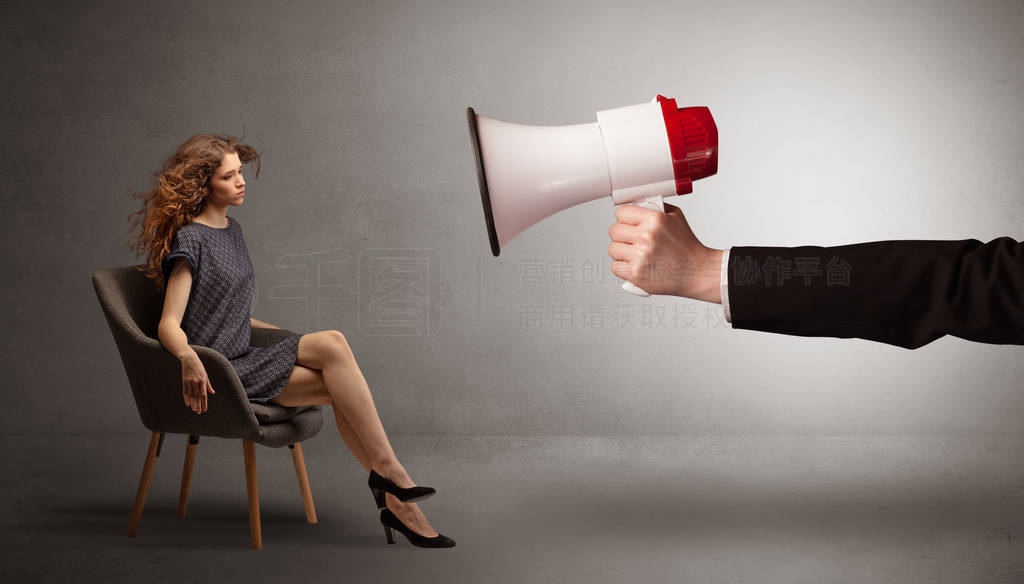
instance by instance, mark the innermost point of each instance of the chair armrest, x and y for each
(261, 337)
(155, 378)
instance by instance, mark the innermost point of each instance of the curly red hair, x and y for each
(179, 195)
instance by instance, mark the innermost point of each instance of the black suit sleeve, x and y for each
(905, 293)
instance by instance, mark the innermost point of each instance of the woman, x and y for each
(198, 254)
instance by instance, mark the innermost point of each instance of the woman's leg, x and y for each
(340, 384)
(306, 387)
(329, 352)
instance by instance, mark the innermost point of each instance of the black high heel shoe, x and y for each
(380, 485)
(388, 519)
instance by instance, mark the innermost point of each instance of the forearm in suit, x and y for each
(905, 293)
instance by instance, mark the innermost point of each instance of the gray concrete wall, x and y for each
(840, 122)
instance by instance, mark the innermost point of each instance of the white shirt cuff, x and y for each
(725, 285)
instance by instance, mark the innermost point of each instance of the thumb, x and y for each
(673, 209)
(209, 387)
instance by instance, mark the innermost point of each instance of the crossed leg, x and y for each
(326, 373)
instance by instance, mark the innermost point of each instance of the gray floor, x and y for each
(588, 510)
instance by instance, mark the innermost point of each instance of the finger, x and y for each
(625, 233)
(634, 215)
(622, 270)
(209, 386)
(204, 401)
(621, 251)
(673, 209)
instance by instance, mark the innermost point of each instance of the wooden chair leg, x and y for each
(300, 472)
(186, 473)
(254, 498)
(147, 474)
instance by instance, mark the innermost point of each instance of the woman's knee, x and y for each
(339, 344)
(321, 348)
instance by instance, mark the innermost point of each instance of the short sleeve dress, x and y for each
(220, 304)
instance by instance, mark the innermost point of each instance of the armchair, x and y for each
(132, 307)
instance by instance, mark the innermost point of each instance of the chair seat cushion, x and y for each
(272, 413)
(298, 428)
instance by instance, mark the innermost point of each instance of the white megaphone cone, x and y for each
(636, 154)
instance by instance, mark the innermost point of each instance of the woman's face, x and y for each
(227, 187)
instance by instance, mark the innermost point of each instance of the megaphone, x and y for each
(636, 154)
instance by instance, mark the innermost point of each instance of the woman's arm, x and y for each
(194, 382)
(260, 324)
(179, 282)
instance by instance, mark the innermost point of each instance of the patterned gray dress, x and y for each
(219, 305)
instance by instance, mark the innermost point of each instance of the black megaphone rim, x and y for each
(481, 176)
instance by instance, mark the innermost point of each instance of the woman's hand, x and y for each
(660, 253)
(260, 324)
(194, 383)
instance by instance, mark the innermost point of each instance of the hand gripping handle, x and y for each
(655, 204)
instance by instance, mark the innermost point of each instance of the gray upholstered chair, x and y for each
(132, 306)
